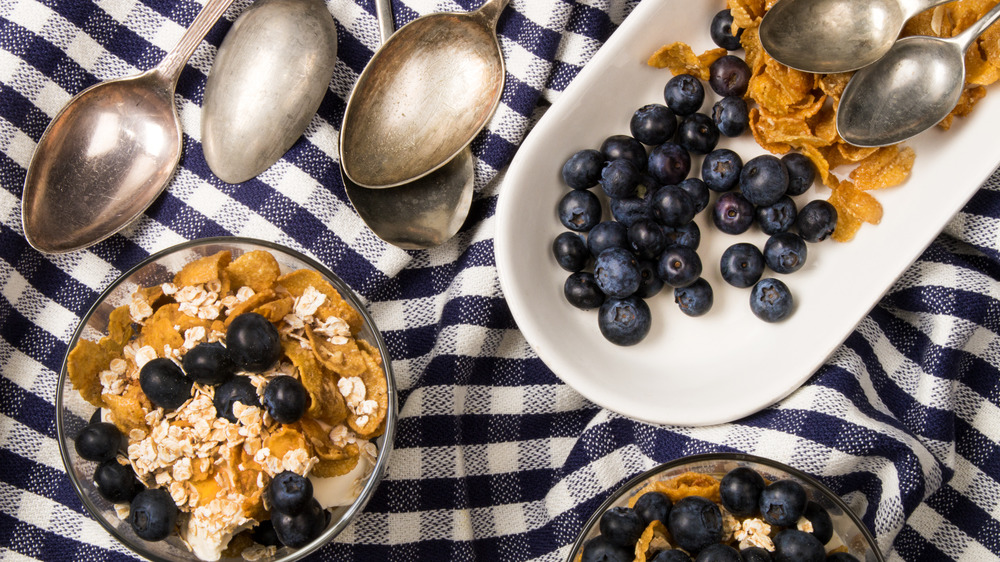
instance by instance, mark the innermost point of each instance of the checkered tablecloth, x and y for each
(495, 458)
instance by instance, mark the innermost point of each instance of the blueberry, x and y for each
(116, 482)
(731, 116)
(669, 163)
(688, 235)
(581, 291)
(264, 534)
(624, 321)
(653, 506)
(619, 178)
(763, 180)
(694, 523)
(208, 363)
(755, 554)
(817, 221)
(719, 552)
(289, 492)
(583, 169)
(793, 545)
(99, 442)
(741, 265)
(600, 549)
(579, 210)
(285, 399)
(801, 172)
(153, 514)
(721, 31)
(785, 252)
(698, 134)
(253, 342)
(841, 557)
(622, 526)
(778, 217)
(650, 283)
(624, 146)
(672, 206)
(164, 383)
(653, 124)
(695, 299)
(782, 502)
(732, 213)
(671, 555)
(679, 266)
(617, 272)
(647, 239)
(301, 528)
(629, 209)
(729, 75)
(684, 94)
(570, 251)
(698, 191)
(770, 300)
(607, 234)
(721, 169)
(821, 522)
(739, 491)
(237, 389)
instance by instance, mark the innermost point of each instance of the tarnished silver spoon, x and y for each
(909, 90)
(423, 213)
(835, 35)
(423, 97)
(109, 152)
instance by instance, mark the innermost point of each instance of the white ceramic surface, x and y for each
(727, 364)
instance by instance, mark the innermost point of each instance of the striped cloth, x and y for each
(495, 459)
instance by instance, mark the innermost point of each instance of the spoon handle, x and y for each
(386, 25)
(966, 38)
(490, 11)
(171, 66)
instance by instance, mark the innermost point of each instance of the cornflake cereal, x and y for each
(217, 471)
(795, 110)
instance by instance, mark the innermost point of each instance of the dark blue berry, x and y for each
(164, 383)
(721, 31)
(817, 221)
(801, 172)
(153, 514)
(732, 213)
(607, 234)
(600, 549)
(653, 124)
(679, 266)
(650, 283)
(620, 178)
(739, 491)
(669, 163)
(581, 291)
(741, 265)
(624, 146)
(729, 75)
(253, 342)
(793, 545)
(721, 169)
(694, 523)
(622, 526)
(698, 191)
(653, 506)
(684, 94)
(782, 502)
(687, 235)
(821, 522)
(624, 321)
(583, 169)
(763, 180)
(647, 239)
(289, 492)
(579, 210)
(731, 116)
(208, 363)
(116, 482)
(672, 206)
(770, 300)
(698, 134)
(301, 528)
(671, 555)
(755, 554)
(286, 399)
(99, 442)
(264, 534)
(237, 389)
(630, 209)
(719, 552)
(617, 272)
(785, 252)
(570, 251)
(778, 217)
(695, 299)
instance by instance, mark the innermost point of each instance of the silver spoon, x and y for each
(109, 152)
(835, 35)
(423, 213)
(423, 97)
(909, 90)
(268, 79)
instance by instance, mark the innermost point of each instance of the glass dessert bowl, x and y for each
(215, 445)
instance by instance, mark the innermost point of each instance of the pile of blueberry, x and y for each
(652, 239)
(296, 516)
(695, 530)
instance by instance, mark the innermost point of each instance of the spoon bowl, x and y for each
(423, 97)
(826, 36)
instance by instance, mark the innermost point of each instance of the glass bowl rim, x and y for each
(630, 485)
(388, 436)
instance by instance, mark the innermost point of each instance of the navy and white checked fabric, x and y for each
(496, 459)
